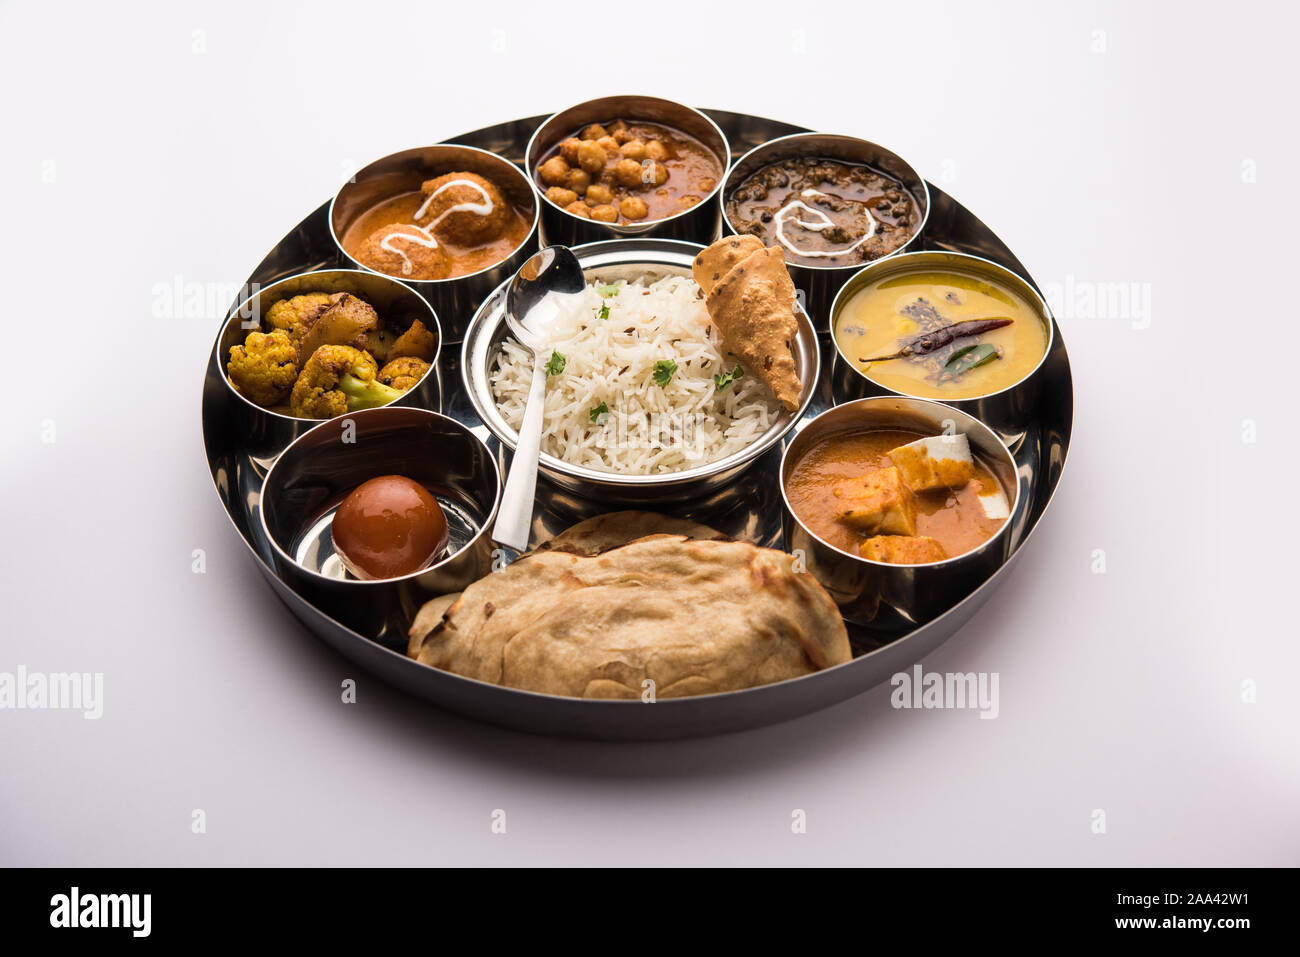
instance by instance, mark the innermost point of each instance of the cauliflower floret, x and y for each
(289, 314)
(338, 379)
(403, 373)
(264, 367)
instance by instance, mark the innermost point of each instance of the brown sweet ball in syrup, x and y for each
(388, 527)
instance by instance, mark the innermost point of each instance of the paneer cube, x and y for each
(941, 461)
(902, 549)
(995, 504)
(877, 503)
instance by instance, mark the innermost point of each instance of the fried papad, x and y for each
(753, 307)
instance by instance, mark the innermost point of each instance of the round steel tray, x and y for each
(751, 510)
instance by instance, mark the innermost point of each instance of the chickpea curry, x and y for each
(628, 172)
(897, 496)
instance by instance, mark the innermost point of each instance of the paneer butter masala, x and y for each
(897, 496)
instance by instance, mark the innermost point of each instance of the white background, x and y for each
(1105, 143)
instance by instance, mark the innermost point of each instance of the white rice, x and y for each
(649, 429)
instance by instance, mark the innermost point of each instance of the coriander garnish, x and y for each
(555, 364)
(723, 379)
(664, 370)
(598, 411)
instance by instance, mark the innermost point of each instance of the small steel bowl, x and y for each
(311, 478)
(700, 223)
(454, 299)
(268, 432)
(1008, 411)
(819, 284)
(607, 262)
(889, 599)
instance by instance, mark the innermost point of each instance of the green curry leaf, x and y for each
(967, 358)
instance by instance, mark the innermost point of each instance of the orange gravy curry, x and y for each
(461, 260)
(955, 518)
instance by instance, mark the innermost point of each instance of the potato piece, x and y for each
(346, 322)
(902, 549)
(604, 213)
(418, 341)
(878, 503)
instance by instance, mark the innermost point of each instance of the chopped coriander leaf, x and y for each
(604, 310)
(724, 379)
(555, 364)
(664, 370)
(598, 411)
(608, 291)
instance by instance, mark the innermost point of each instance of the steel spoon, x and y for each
(531, 304)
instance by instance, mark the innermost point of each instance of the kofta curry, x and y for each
(453, 225)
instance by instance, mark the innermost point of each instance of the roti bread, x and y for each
(687, 615)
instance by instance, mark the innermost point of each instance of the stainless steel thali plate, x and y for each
(749, 509)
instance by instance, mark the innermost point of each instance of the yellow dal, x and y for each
(872, 324)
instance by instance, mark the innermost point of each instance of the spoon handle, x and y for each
(515, 517)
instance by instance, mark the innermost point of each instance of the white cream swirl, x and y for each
(482, 209)
(425, 239)
(823, 222)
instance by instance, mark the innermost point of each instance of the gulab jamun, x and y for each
(388, 527)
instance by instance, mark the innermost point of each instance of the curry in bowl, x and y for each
(628, 172)
(320, 354)
(897, 496)
(824, 212)
(453, 225)
(944, 334)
